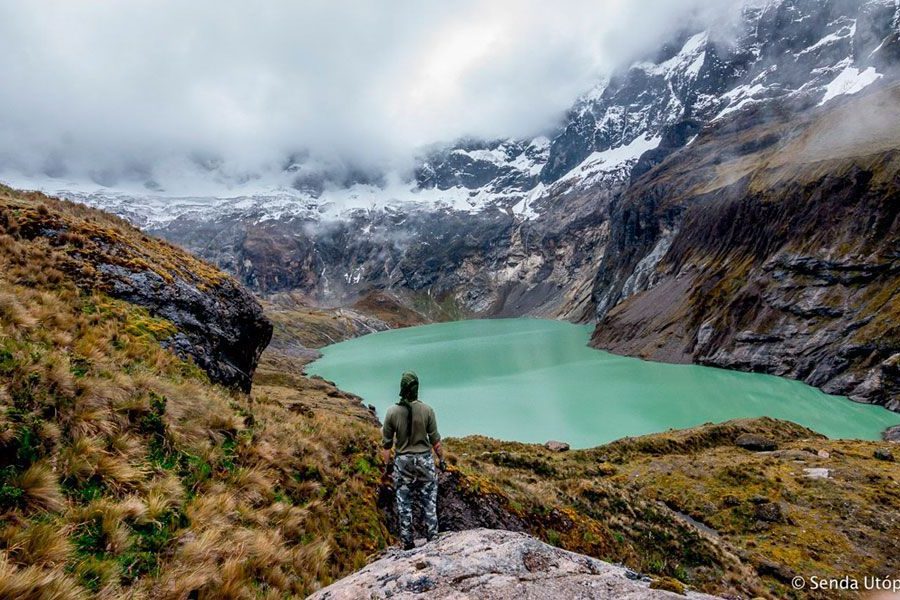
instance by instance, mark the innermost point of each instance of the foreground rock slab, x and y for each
(491, 563)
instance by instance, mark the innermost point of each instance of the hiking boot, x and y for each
(409, 545)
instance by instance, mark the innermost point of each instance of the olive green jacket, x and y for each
(424, 429)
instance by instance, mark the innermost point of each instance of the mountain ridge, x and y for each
(552, 226)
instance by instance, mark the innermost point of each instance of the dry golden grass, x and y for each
(78, 239)
(124, 472)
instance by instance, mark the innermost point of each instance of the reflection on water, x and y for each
(533, 380)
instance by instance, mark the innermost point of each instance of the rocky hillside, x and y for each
(217, 323)
(736, 509)
(770, 244)
(484, 563)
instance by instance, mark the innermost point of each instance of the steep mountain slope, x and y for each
(770, 244)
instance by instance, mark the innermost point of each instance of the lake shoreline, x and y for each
(427, 338)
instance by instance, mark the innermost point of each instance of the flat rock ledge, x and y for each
(491, 563)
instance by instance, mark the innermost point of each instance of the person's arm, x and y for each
(439, 450)
(387, 442)
(435, 438)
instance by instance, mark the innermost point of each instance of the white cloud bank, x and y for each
(139, 88)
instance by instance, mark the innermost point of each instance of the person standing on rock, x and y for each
(411, 427)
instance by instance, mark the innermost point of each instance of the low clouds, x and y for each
(143, 89)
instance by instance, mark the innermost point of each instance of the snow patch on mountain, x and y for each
(687, 61)
(846, 31)
(739, 97)
(598, 164)
(850, 81)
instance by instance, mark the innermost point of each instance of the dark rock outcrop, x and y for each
(768, 512)
(892, 434)
(222, 328)
(459, 508)
(755, 443)
(884, 454)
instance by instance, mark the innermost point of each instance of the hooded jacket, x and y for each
(410, 424)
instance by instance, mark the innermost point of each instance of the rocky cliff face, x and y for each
(219, 324)
(485, 563)
(770, 244)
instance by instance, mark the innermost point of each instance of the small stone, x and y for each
(770, 512)
(823, 454)
(555, 446)
(730, 500)
(755, 443)
(817, 473)
(421, 585)
(884, 454)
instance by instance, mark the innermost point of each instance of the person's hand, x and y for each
(442, 464)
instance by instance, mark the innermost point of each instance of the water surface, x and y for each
(533, 380)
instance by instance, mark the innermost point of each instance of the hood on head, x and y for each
(409, 386)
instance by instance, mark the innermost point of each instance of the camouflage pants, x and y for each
(415, 482)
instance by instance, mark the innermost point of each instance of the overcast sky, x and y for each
(99, 86)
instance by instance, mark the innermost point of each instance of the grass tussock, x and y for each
(123, 471)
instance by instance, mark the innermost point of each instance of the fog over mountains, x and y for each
(320, 111)
(217, 99)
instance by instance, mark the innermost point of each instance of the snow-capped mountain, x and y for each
(520, 213)
(758, 156)
(803, 51)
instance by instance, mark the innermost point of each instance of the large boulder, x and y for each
(555, 446)
(220, 327)
(496, 564)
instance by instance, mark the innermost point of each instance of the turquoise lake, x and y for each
(533, 380)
